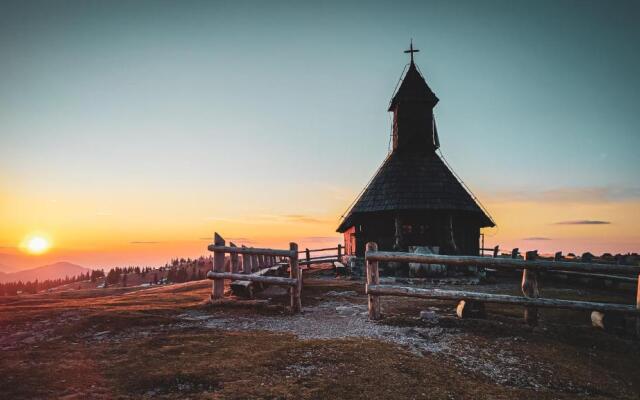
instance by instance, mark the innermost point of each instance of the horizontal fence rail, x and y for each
(614, 278)
(530, 267)
(252, 251)
(323, 258)
(274, 280)
(504, 263)
(315, 250)
(441, 294)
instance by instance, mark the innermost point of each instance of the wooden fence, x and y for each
(494, 251)
(515, 253)
(252, 258)
(470, 300)
(324, 258)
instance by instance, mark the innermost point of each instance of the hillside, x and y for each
(5, 269)
(169, 342)
(49, 271)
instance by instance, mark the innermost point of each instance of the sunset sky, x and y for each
(131, 131)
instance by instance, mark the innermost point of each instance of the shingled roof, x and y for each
(414, 181)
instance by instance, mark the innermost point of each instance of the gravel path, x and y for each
(344, 315)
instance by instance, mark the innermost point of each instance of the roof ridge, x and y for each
(415, 181)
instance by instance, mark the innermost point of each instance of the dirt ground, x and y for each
(169, 342)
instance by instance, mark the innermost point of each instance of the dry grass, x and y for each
(130, 343)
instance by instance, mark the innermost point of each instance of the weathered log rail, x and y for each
(253, 259)
(625, 276)
(321, 259)
(501, 263)
(530, 267)
(441, 294)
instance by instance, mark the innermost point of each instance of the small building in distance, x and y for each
(414, 199)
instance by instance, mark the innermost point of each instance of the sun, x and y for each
(37, 245)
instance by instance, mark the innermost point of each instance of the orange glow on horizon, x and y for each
(150, 229)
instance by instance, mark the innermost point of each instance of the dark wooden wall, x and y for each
(419, 229)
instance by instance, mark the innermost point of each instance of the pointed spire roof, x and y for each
(416, 181)
(413, 89)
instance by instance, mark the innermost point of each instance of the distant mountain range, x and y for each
(50, 271)
(6, 269)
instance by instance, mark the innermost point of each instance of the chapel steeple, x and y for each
(414, 127)
(414, 199)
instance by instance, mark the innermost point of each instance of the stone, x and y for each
(419, 270)
(341, 269)
(429, 316)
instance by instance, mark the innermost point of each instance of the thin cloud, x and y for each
(536, 238)
(583, 222)
(143, 242)
(303, 218)
(240, 240)
(271, 218)
(220, 219)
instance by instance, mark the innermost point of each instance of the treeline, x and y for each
(189, 271)
(118, 274)
(182, 274)
(178, 270)
(14, 288)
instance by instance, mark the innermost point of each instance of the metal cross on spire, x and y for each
(411, 50)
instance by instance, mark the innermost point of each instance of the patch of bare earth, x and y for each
(167, 342)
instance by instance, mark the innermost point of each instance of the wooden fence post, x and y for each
(255, 263)
(246, 262)
(295, 273)
(638, 308)
(530, 289)
(515, 252)
(234, 260)
(373, 278)
(496, 250)
(308, 255)
(218, 266)
(339, 252)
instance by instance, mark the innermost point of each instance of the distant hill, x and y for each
(50, 271)
(6, 269)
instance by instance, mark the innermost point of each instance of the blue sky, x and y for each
(102, 99)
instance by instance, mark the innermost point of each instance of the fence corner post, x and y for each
(373, 278)
(515, 252)
(218, 266)
(295, 273)
(557, 256)
(255, 263)
(638, 308)
(530, 289)
(339, 252)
